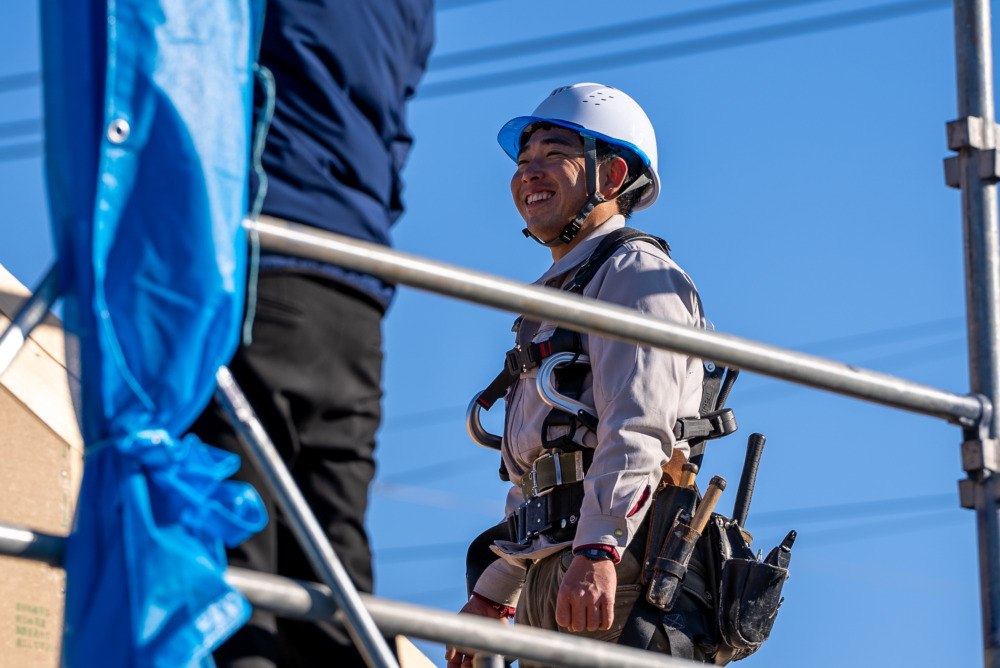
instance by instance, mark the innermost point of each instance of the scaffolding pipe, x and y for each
(311, 601)
(305, 600)
(29, 316)
(288, 238)
(18, 541)
(974, 61)
(316, 546)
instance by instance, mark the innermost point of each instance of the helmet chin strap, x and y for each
(593, 197)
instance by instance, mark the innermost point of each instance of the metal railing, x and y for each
(610, 320)
(311, 601)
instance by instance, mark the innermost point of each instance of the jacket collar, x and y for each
(582, 251)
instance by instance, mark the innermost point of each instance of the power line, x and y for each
(593, 36)
(931, 352)
(443, 5)
(19, 81)
(888, 335)
(23, 127)
(20, 151)
(859, 509)
(678, 49)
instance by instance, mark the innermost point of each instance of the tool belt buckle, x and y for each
(531, 519)
(560, 477)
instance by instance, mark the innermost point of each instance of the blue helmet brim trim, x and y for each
(509, 136)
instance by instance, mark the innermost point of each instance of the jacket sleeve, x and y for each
(638, 394)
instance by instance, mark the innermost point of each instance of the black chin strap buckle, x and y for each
(569, 232)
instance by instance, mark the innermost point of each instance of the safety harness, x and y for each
(552, 508)
(730, 597)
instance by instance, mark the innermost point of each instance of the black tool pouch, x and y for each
(750, 598)
(749, 592)
(671, 503)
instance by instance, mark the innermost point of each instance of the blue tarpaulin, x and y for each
(147, 114)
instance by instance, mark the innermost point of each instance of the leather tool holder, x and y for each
(749, 590)
(671, 505)
(742, 593)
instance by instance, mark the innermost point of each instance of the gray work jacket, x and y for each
(637, 393)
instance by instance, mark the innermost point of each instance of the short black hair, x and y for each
(605, 151)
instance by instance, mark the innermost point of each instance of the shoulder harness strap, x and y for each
(521, 359)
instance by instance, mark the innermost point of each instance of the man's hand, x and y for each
(459, 657)
(586, 600)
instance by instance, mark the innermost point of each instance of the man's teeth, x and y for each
(537, 197)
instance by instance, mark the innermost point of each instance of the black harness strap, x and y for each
(609, 246)
(523, 358)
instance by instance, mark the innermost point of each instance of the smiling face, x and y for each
(549, 186)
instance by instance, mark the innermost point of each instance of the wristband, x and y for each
(594, 554)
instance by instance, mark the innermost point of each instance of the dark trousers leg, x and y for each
(313, 375)
(480, 556)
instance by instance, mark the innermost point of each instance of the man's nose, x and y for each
(530, 171)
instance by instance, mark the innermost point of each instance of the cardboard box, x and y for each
(42, 454)
(41, 451)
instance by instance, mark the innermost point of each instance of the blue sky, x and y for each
(801, 155)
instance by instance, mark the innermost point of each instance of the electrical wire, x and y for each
(444, 5)
(19, 81)
(678, 49)
(593, 36)
(27, 126)
(605, 61)
(20, 151)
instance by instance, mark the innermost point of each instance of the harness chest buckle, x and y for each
(515, 362)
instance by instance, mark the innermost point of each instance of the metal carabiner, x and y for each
(476, 430)
(547, 388)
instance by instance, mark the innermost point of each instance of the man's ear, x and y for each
(612, 175)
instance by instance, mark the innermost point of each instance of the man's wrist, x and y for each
(597, 553)
(505, 611)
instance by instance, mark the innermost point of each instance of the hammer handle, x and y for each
(755, 446)
(707, 505)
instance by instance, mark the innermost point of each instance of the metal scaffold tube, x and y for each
(31, 314)
(974, 60)
(308, 600)
(349, 610)
(613, 321)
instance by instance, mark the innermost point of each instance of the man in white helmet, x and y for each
(571, 553)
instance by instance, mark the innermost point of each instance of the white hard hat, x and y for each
(600, 111)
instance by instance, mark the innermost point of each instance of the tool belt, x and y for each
(728, 598)
(554, 514)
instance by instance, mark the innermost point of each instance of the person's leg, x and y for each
(313, 376)
(480, 556)
(336, 406)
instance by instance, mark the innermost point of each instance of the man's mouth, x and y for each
(537, 197)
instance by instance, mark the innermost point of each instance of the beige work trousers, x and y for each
(537, 605)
